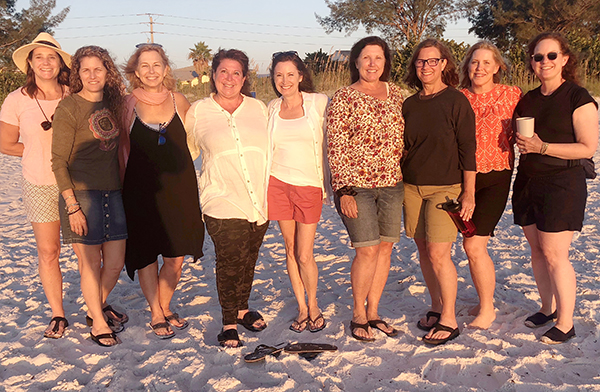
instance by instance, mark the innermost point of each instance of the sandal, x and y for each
(429, 315)
(112, 335)
(121, 318)
(115, 326)
(556, 336)
(55, 332)
(312, 323)
(539, 319)
(162, 325)
(377, 325)
(262, 350)
(454, 332)
(365, 327)
(299, 326)
(249, 319)
(175, 317)
(227, 335)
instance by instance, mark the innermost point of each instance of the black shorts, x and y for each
(554, 203)
(491, 195)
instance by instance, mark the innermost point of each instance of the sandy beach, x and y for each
(507, 357)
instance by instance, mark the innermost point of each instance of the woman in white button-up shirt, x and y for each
(229, 128)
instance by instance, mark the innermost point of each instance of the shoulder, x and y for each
(180, 99)
(318, 100)
(273, 104)
(255, 104)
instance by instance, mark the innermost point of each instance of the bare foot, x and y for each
(483, 320)
(474, 311)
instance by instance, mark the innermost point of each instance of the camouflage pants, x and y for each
(237, 243)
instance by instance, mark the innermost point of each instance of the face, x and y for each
(287, 78)
(370, 63)
(229, 78)
(151, 70)
(482, 68)
(93, 74)
(429, 74)
(547, 69)
(45, 63)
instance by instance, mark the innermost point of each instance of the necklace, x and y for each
(423, 97)
(46, 125)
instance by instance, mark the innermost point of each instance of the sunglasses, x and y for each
(148, 44)
(46, 125)
(289, 53)
(432, 62)
(161, 132)
(538, 57)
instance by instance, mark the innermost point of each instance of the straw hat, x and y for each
(43, 40)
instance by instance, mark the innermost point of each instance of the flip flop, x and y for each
(299, 326)
(364, 327)
(175, 317)
(230, 334)
(539, 319)
(161, 325)
(262, 350)
(376, 324)
(429, 315)
(115, 326)
(54, 332)
(305, 348)
(121, 318)
(249, 319)
(454, 332)
(112, 335)
(312, 322)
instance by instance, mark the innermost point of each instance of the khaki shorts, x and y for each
(423, 215)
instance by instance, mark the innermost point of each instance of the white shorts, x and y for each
(41, 202)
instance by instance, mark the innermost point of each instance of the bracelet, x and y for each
(544, 149)
(72, 212)
(69, 198)
(72, 205)
(346, 191)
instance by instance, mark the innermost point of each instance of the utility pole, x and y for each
(151, 23)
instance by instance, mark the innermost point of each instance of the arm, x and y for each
(9, 140)
(467, 197)
(585, 123)
(63, 144)
(77, 219)
(190, 125)
(183, 105)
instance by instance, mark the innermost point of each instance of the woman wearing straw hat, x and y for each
(26, 131)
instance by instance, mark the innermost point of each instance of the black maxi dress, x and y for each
(160, 195)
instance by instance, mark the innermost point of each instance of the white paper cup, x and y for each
(525, 126)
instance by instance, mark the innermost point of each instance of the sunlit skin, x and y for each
(45, 64)
(482, 68)
(287, 79)
(93, 77)
(151, 71)
(431, 77)
(371, 63)
(229, 79)
(549, 71)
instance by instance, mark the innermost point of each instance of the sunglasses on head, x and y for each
(538, 57)
(289, 52)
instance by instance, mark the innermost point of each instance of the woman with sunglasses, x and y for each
(365, 139)
(160, 191)
(299, 178)
(549, 193)
(439, 164)
(229, 128)
(85, 163)
(493, 104)
(26, 131)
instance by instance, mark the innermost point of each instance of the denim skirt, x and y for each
(104, 214)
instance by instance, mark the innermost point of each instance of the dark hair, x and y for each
(231, 54)
(464, 67)
(359, 46)
(31, 88)
(569, 71)
(114, 89)
(306, 84)
(449, 74)
(133, 62)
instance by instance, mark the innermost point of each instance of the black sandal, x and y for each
(454, 332)
(175, 317)
(376, 324)
(112, 335)
(429, 315)
(249, 319)
(120, 318)
(364, 327)
(54, 334)
(312, 323)
(166, 326)
(114, 325)
(229, 334)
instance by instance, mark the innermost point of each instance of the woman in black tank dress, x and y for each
(160, 191)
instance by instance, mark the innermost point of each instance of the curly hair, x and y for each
(132, 65)
(114, 89)
(231, 54)
(449, 74)
(569, 71)
(465, 82)
(359, 46)
(30, 87)
(306, 84)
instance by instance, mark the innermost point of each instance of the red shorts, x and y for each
(289, 202)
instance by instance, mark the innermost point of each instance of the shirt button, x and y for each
(107, 215)
(106, 205)
(106, 195)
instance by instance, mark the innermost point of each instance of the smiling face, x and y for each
(93, 75)
(151, 70)
(548, 70)
(229, 78)
(370, 63)
(45, 63)
(427, 74)
(287, 78)
(482, 68)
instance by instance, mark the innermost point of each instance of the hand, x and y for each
(78, 223)
(527, 145)
(468, 205)
(348, 206)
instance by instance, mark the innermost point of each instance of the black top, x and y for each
(439, 138)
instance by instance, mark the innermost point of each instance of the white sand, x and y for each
(507, 357)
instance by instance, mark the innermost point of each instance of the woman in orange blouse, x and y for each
(493, 104)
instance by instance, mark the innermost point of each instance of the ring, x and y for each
(471, 210)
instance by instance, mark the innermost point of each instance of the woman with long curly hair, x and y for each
(85, 163)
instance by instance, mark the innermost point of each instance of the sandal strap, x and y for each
(57, 320)
(162, 324)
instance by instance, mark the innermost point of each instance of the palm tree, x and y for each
(200, 55)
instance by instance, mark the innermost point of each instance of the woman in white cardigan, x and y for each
(299, 178)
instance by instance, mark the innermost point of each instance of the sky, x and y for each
(259, 28)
